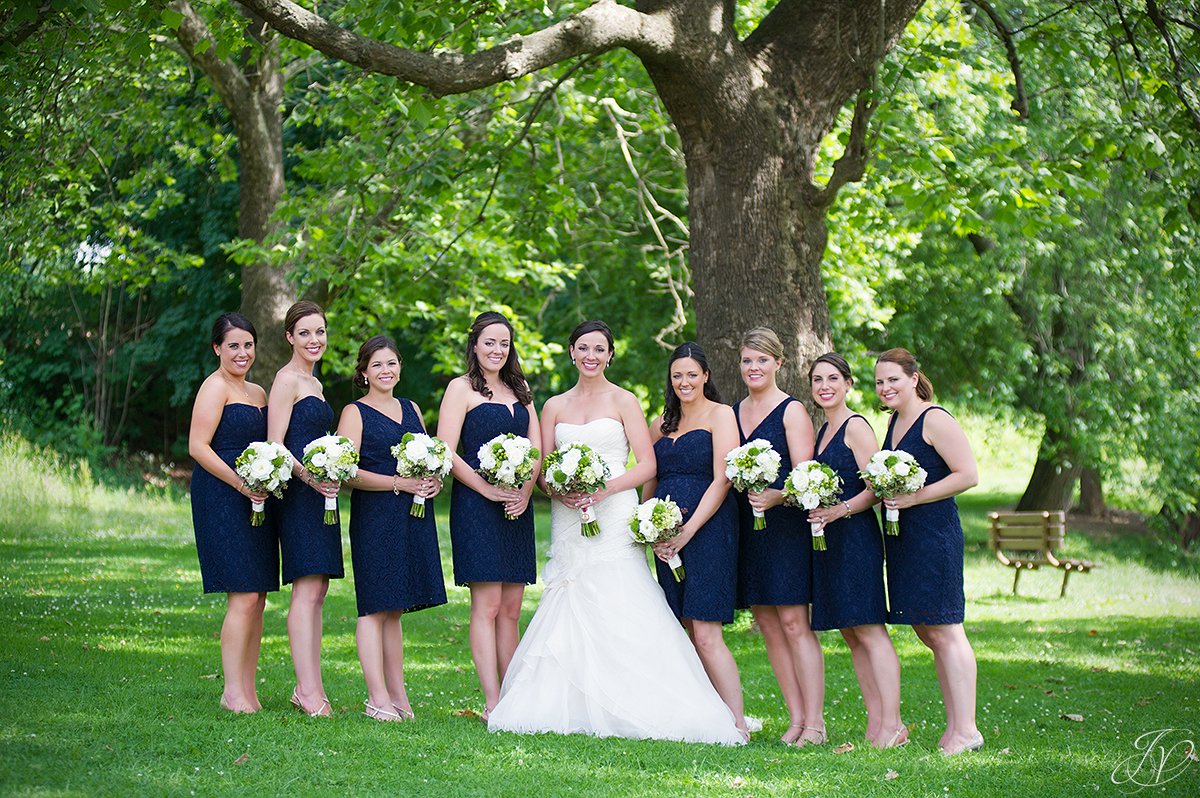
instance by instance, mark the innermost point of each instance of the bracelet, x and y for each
(395, 487)
(849, 512)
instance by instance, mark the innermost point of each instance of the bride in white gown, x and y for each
(603, 654)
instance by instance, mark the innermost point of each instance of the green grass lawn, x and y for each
(110, 659)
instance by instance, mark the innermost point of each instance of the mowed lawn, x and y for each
(110, 659)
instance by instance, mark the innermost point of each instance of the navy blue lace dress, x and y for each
(397, 564)
(774, 564)
(925, 561)
(234, 556)
(709, 588)
(308, 547)
(848, 576)
(486, 546)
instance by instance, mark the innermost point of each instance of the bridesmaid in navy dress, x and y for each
(397, 565)
(492, 555)
(311, 551)
(775, 564)
(925, 561)
(236, 558)
(691, 439)
(848, 589)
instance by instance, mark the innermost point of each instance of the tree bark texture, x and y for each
(1055, 475)
(1091, 494)
(751, 115)
(252, 93)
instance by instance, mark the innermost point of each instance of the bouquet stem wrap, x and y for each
(587, 523)
(418, 507)
(818, 536)
(331, 510)
(257, 514)
(760, 518)
(676, 566)
(891, 521)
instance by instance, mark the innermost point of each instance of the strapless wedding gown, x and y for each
(604, 655)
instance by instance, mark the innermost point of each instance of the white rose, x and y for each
(902, 469)
(876, 469)
(731, 471)
(319, 460)
(810, 501)
(507, 473)
(597, 469)
(570, 461)
(261, 469)
(284, 472)
(648, 530)
(415, 450)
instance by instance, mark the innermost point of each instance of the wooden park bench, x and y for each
(1026, 541)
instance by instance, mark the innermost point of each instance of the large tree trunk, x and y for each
(1054, 477)
(252, 93)
(1091, 494)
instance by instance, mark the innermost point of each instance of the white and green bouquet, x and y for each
(265, 467)
(752, 467)
(331, 458)
(811, 485)
(577, 468)
(657, 520)
(419, 455)
(508, 461)
(892, 473)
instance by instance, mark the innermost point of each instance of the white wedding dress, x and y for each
(603, 654)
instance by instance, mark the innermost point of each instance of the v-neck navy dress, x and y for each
(848, 576)
(774, 564)
(925, 561)
(486, 546)
(397, 564)
(708, 591)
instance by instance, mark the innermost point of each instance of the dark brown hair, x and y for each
(231, 321)
(510, 373)
(299, 310)
(835, 360)
(672, 410)
(595, 325)
(906, 361)
(372, 345)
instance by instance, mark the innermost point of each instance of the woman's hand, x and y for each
(516, 507)
(257, 498)
(827, 515)
(495, 493)
(327, 489)
(669, 548)
(905, 500)
(579, 501)
(765, 499)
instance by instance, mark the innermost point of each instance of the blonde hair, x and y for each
(763, 339)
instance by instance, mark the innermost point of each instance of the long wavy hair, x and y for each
(672, 410)
(510, 373)
(366, 351)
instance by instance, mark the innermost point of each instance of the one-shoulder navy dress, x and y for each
(235, 557)
(397, 565)
(308, 546)
(486, 546)
(709, 589)
(925, 561)
(774, 564)
(848, 576)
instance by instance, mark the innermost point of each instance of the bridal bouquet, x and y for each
(657, 520)
(577, 468)
(265, 467)
(752, 467)
(890, 474)
(331, 458)
(419, 455)
(811, 485)
(507, 461)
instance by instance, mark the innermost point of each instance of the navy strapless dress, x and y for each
(234, 556)
(774, 564)
(308, 547)
(709, 588)
(848, 577)
(486, 546)
(925, 561)
(397, 564)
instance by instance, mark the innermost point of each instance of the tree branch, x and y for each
(24, 31)
(228, 81)
(600, 27)
(1180, 81)
(1020, 102)
(850, 167)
